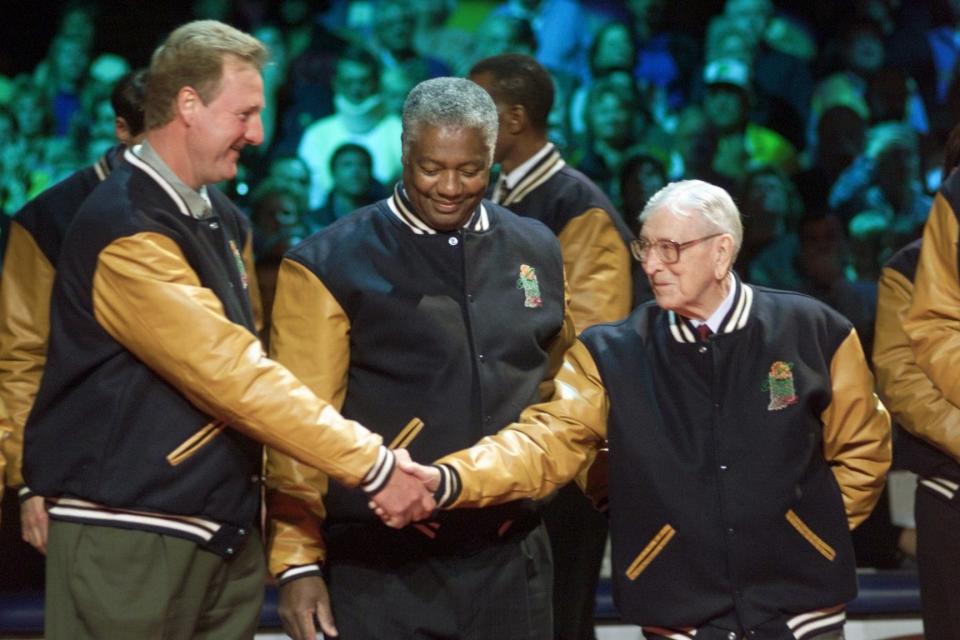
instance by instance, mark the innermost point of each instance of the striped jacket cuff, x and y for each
(379, 474)
(298, 572)
(449, 488)
(24, 493)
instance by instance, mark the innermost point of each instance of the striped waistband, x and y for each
(804, 626)
(222, 539)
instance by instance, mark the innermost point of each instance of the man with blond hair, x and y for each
(145, 434)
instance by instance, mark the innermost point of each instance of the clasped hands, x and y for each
(408, 495)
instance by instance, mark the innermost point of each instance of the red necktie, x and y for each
(704, 331)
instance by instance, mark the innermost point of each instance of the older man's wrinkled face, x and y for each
(693, 285)
(445, 173)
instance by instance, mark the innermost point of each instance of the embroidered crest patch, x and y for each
(531, 287)
(240, 268)
(780, 385)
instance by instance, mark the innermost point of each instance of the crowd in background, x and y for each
(826, 120)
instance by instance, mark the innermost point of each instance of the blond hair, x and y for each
(193, 55)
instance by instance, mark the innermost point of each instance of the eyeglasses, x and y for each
(667, 250)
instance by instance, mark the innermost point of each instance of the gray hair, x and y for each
(713, 204)
(450, 102)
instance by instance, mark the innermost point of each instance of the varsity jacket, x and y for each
(929, 442)
(152, 355)
(36, 234)
(737, 464)
(433, 340)
(594, 240)
(933, 322)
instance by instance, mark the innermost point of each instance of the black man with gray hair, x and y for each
(435, 317)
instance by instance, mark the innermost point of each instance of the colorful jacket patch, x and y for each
(530, 285)
(780, 385)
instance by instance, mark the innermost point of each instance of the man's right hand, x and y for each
(404, 499)
(303, 602)
(34, 523)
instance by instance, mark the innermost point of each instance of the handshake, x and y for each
(408, 495)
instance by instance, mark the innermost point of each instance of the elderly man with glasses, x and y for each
(745, 440)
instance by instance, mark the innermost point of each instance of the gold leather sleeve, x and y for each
(933, 323)
(546, 448)
(307, 321)
(5, 432)
(253, 286)
(597, 263)
(908, 393)
(558, 348)
(856, 431)
(25, 288)
(146, 296)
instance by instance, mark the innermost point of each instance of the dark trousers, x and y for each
(501, 591)
(578, 536)
(938, 561)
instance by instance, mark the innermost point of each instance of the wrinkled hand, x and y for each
(34, 523)
(302, 602)
(404, 500)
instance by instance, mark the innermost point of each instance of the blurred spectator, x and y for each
(644, 172)
(32, 153)
(886, 178)
(278, 212)
(559, 126)
(394, 27)
(889, 94)
(312, 51)
(840, 138)
(291, 170)
(13, 186)
(610, 130)
(740, 145)
(499, 34)
(351, 167)
(771, 209)
(361, 117)
(662, 56)
(782, 80)
(729, 40)
(296, 20)
(103, 74)
(78, 23)
(395, 84)
(62, 78)
(613, 49)
(824, 271)
(871, 243)
(691, 144)
(433, 37)
(559, 29)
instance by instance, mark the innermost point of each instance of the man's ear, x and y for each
(723, 261)
(515, 119)
(122, 131)
(188, 104)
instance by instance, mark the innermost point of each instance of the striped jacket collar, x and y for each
(527, 178)
(190, 202)
(683, 330)
(108, 161)
(401, 207)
